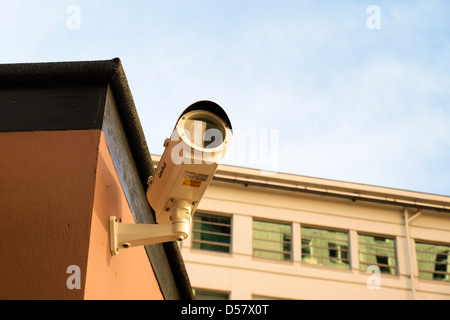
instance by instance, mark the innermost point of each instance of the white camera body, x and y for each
(192, 154)
(198, 143)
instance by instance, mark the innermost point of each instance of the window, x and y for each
(264, 298)
(272, 240)
(433, 261)
(378, 251)
(210, 295)
(325, 247)
(306, 248)
(211, 232)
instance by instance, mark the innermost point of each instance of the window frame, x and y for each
(382, 266)
(434, 272)
(212, 292)
(338, 261)
(212, 243)
(280, 222)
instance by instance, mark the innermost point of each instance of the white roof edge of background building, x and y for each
(326, 187)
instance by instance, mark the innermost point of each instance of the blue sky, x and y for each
(325, 95)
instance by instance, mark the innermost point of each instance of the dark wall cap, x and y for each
(46, 73)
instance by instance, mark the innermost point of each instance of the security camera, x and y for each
(192, 154)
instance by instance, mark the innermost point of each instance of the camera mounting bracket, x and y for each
(124, 235)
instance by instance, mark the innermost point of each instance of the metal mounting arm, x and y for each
(124, 236)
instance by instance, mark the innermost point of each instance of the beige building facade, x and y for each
(261, 235)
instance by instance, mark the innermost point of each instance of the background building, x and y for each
(283, 236)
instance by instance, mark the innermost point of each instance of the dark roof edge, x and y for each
(102, 71)
(144, 163)
(131, 122)
(46, 73)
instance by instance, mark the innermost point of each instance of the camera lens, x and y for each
(204, 131)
